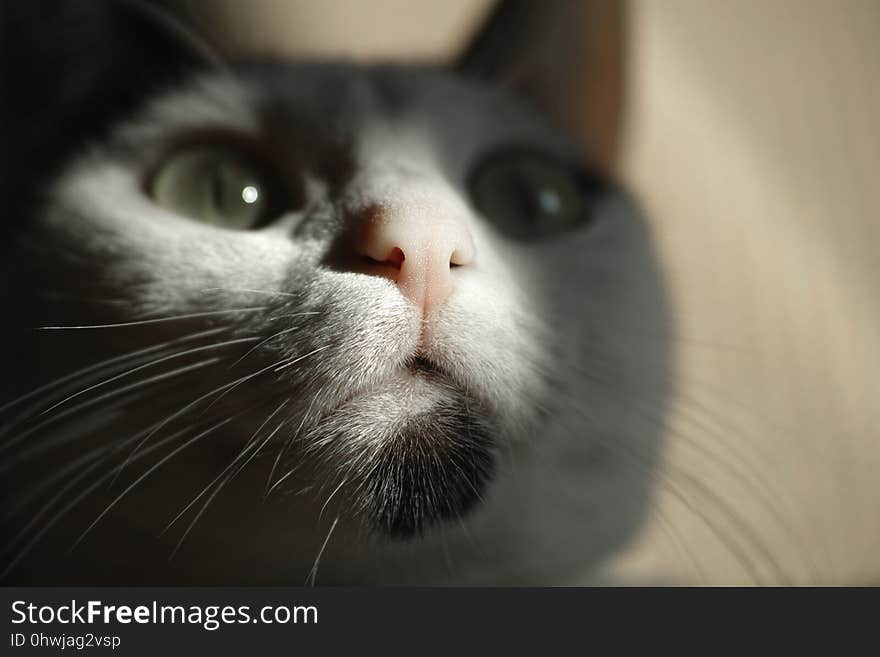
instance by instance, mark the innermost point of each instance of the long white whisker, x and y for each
(281, 480)
(287, 444)
(180, 354)
(301, 314)
(247, 289)
(75, 501)
(220, 389)
(335, 490)
(174, 27)
(198, 515)
(217, 490)
(257, 451)
(155, 320)
(150, 470)
(97, 400)
(260, 344)
(251, 442)
(303, 357)
(34, 491)
(107, 363)
(109, 451)
(284, 362)
(313, 574)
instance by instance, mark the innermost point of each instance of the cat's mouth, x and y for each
(421, 365)
(411, 453)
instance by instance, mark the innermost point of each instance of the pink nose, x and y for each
(416, 244)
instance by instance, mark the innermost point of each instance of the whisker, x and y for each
(260, 344)
(251, 442)
(327, 501)
(217, 490)
(281, 480)
(150, 471)
(273, 293)
(198, 515)
(155, 320)
(70, 505)
(257, 451)
(34, 491)
(741, 528)
(303, 357)
(287, 445)
(751, 475)
(301, 314)
(187, 352)
(688, 489)
(173, 26)
(105, 364)
(284, 362)
(226, 387)
(108, 450)
(313, 574)
(97, 400)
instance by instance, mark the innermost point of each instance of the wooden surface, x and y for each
(751, 135)
(753, 138)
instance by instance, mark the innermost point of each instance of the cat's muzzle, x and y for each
(432, 470)
(415, 454)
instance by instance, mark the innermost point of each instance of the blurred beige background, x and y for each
(750, 132)
(753, 138)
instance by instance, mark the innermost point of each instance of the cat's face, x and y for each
(394, 292)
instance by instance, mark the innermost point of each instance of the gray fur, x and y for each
(537, 347)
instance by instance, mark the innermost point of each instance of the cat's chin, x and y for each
(412, 453)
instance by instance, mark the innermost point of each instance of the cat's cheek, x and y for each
(486, 339)
(163, 262)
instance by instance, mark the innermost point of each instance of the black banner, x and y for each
(151, 621)
(235, 621)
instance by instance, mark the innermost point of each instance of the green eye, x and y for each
(218, 185)
(532, 195)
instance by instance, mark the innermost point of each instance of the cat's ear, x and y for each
(566, 56)
(67, 68)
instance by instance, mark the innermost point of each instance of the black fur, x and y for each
(73, 69)
(435, 468)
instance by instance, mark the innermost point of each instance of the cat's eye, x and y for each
(219, 185)
(529, 195)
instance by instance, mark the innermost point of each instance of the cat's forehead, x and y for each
(369, 111)
(359, 97)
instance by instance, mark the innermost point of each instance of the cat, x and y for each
(314, 322)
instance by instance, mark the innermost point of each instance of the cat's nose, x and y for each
(418, 244)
